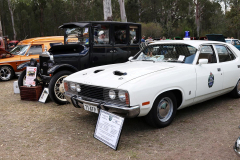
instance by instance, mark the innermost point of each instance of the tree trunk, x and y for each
(11, 12)
(122, 11)
(197, 17)
(107, 10)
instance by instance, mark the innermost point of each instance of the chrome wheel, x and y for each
(5, 73)
(165, 109)
(58, 88)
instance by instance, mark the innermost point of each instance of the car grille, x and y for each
(44, 64)
(99, 94)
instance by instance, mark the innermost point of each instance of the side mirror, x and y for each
(130, 58)
(202, 61)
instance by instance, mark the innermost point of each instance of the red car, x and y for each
(12, 44)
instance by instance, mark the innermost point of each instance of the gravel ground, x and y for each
(33, 130)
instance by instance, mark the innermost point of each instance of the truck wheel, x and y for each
(6, 73)
(163, 110)
(56, 88)
(22, 78)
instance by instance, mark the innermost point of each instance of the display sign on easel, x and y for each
(44, 95)
(109, 128)
(31, 73)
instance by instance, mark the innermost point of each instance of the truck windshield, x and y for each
(181, 53)
(77, 36)
(19, 49)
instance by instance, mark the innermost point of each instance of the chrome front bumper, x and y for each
(128, 112)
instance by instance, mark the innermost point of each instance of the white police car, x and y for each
(162, 78)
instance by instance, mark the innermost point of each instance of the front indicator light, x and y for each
(65, 86)
(127, 98)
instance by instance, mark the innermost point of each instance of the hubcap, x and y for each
(5, 73)
(238, 87)
(165, 109)
(59, 88)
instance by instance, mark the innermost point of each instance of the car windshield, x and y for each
(77, 35)
(19, 49)
(181, 53)
(233, 42)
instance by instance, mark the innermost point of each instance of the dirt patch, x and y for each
(33, 130)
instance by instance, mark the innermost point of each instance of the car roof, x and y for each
(42, 40)
(194, 43)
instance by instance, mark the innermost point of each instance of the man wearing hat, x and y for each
(101, 36)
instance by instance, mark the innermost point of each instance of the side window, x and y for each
(101, 35)
(35, 50)
(134, 34)
(207, 52)
(224, 54)
(120, 34)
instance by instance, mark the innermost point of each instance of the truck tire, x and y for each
(21, 78)
(56, 87)
(6, 73)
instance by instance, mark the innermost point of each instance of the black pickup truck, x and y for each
(86, 44)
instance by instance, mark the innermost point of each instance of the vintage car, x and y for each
(162, 78)
(86, 44)
(23, 52)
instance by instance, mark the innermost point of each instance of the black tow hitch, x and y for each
(74, 102)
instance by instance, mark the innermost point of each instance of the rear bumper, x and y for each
(128, 112)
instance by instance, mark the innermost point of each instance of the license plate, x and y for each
(90, 108)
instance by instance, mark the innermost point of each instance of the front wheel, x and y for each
(163, 110)
(6, 73)
(236, 91)
(56, 88)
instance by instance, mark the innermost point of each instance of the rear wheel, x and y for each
(56, 88)
(6, 73)
(236, 91)
(163, 110)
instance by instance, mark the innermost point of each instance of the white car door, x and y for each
(230, 66)
(209, 76)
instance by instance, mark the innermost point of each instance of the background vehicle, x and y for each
(234, 42)
(23, 52)
(84, 48)
(12, 44)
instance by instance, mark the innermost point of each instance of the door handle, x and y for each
(238, 66)
(111, 51)
(219, 69)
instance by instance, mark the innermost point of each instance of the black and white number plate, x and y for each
(90, 108)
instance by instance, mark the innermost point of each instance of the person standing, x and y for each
(143, 40)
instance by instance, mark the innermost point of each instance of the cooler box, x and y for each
(30, 93)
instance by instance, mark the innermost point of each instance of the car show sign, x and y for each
(31, 75)
(108, 128)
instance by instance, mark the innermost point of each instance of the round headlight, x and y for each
(112, 94)
(73, 86)
(78, 88)
(122, 96)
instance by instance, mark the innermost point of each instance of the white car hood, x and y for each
(106, 77)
